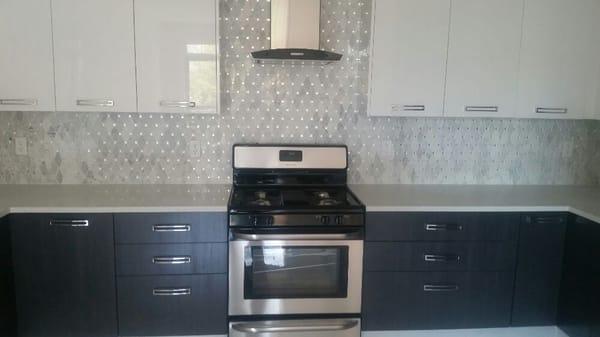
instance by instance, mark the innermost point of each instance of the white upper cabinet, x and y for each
(177, 59)
(26, 71)
(94, 55)
(408, 57)
(483, 58)
(558, 58)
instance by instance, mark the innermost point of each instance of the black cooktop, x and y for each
(281, 199)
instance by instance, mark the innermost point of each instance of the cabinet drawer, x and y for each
(440, 256)
(414, 301)
(198, 258)
(171, 228)
(173, 305)
(442, 226)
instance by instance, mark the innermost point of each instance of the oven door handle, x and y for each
(250, 328)
(293, 237)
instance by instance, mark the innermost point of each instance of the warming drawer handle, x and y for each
(171, 228)
(172, 291)
(251, 328)
(431, 227)
(70, 223)
(172, 259)
(441, 258)
(440, 287)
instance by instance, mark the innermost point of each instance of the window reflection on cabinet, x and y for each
(177, 56)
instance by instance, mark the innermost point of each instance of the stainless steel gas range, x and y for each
(296, 243)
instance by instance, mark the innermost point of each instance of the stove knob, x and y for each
(253, 220)
(339, 220)
(325, 220)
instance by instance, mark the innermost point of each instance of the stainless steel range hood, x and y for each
(295, 33)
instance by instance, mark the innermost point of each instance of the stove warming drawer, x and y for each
(297, 328)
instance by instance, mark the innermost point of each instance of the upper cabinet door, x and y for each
(177, 56)
(408, 57)
(483, 58)
(558, 58)
(94, 55)
(26, 71)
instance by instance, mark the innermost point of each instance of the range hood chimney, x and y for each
(295, 33)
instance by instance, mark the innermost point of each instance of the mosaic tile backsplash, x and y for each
(295, 104)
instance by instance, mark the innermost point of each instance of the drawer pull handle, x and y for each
(551, 110)
(473, 108)
(172, 259)
(172, 292)
(443, 227)
(18, 101)
(69, 223)
(96, 102)
(440, 288)
(441, 258)
(171, 228)
(545, 219)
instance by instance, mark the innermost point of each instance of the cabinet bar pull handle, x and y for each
(479, 108)
(18, 102)
(551, 110)
(441, 258)
(172, 259)
(172, 291)
(69, 223)
(413, 108)
(96, 102)
(440, 288)
(175, 104)
(443, 227)
(545, 219)
(171, 228)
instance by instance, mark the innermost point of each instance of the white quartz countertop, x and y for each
(584, 201)
(112, 198)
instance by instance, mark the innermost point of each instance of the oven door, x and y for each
(275, 274)
(297, 328)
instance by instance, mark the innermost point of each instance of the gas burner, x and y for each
(324, 198)
(261, 199)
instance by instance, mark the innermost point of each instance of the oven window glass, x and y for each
(296, 272)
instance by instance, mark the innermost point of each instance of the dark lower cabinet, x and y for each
(64, 275)
(579, 305)
(439, 300)
(173, 305)
(7, 300)
(538, 276)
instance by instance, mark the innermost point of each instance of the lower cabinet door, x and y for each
(64, 267)
(173, 305)
(419, 301)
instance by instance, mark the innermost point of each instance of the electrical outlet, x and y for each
(195, 149)
(21, 146)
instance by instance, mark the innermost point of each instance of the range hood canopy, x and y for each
(295, 33)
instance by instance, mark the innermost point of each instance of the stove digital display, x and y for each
(290, 156)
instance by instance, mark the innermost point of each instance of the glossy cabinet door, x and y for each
(177, 56)
(483, 58)
(26, 69)
(408, 57)
(94, 55)
(559, 59)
